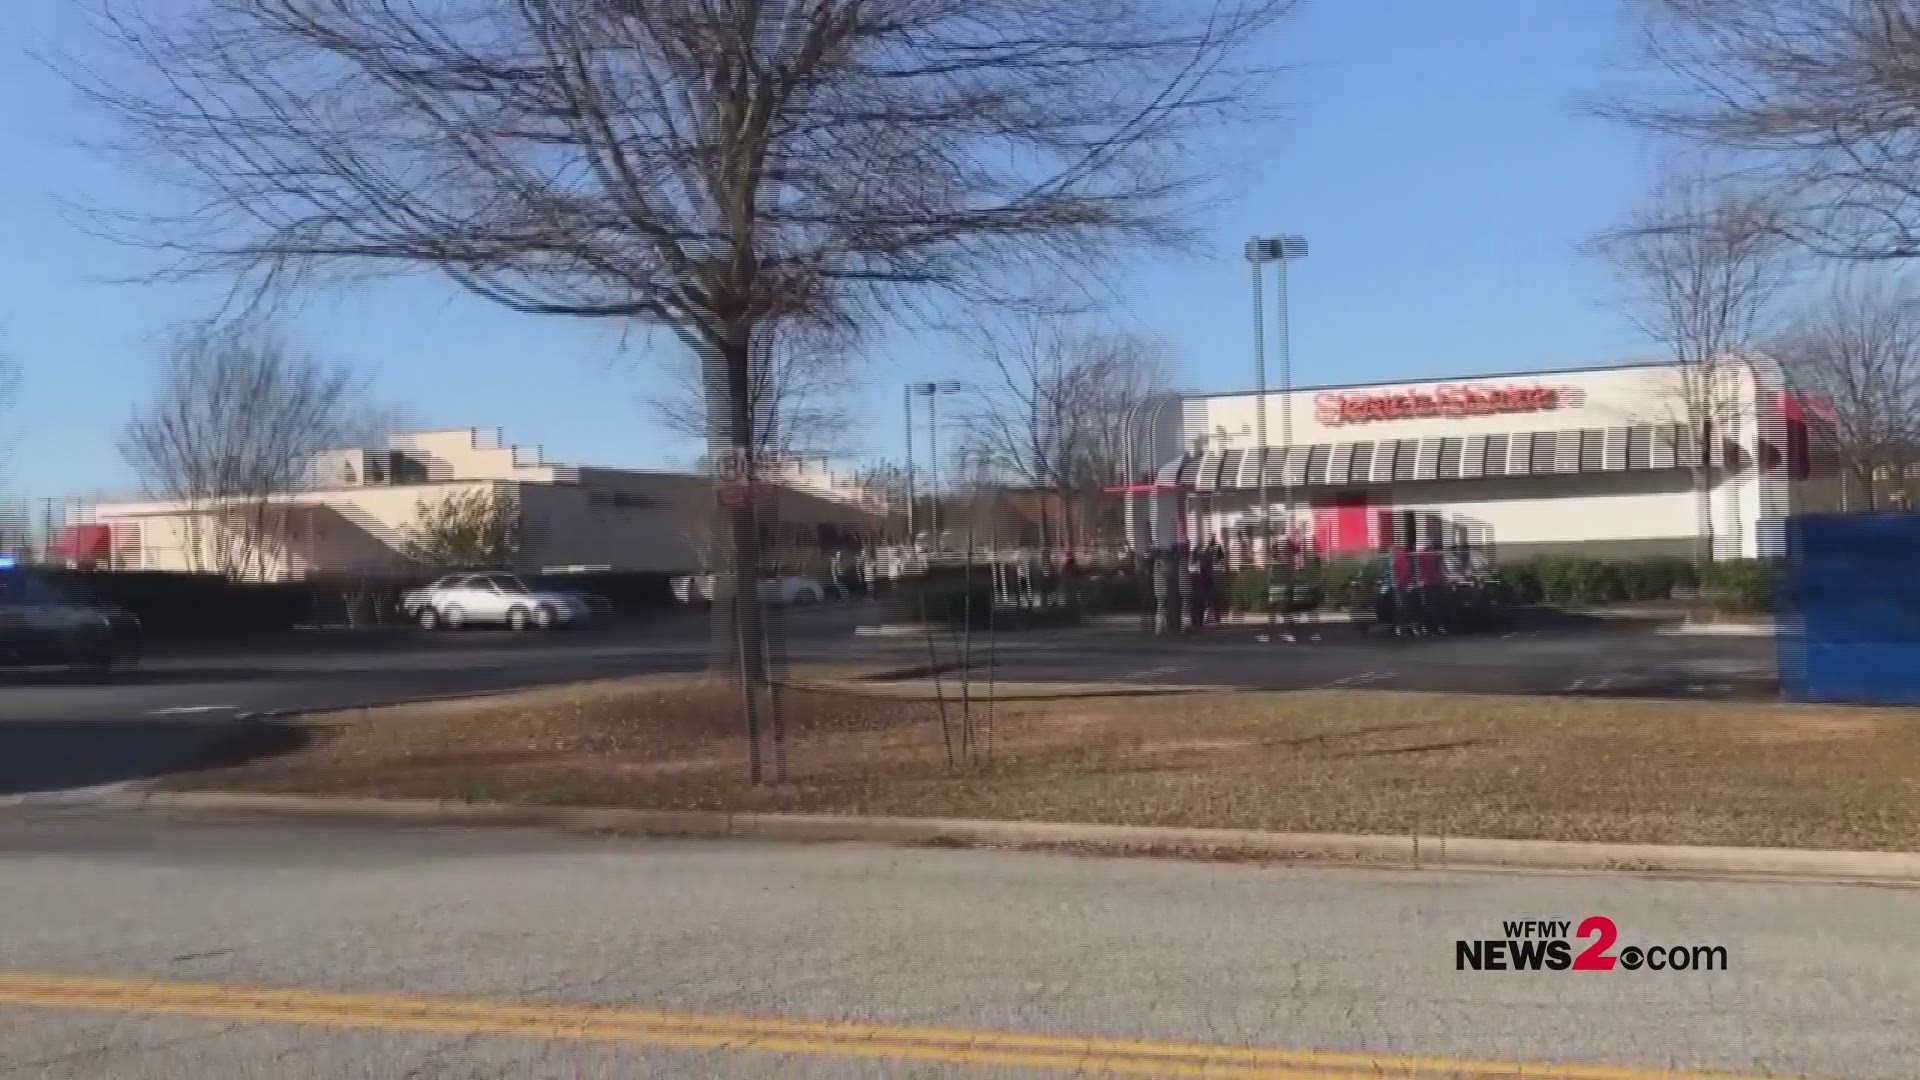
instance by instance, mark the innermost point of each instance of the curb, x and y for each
(1718, 630)
(1412, 852)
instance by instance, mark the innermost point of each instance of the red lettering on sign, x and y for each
(1445, 400)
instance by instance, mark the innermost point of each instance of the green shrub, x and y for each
(1343, 582)
(1741, 584)
(1656, 578)
(1247, 591)
(1520, 583)
(1563, 579)
(945, 598)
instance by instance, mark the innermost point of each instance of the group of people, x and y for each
(1429, 591)
(1187, 582)
(855, 574)
(1033, 579)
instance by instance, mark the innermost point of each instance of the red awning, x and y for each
(84, 543)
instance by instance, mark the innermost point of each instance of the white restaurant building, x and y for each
(1591, 461)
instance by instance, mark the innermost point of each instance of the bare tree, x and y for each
(801, 397)
(236, 421)
(884, 491)
(1701, 264)
(470, 529)
(730, 169)
(1856, 350)
(1052, 416)
(370, 425)
(1816, 100)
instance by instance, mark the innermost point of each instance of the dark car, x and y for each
(42, 623)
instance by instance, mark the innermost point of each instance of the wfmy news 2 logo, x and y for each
(1545, 945)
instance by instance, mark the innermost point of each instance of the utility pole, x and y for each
(931, 391)
(1260, 251)
(906, 397)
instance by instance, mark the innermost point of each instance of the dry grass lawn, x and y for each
(1316, 761)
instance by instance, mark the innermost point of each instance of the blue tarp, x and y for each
(1850, 609)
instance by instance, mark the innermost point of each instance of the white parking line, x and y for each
(1153, 672)
(1364, 678)
(182, 709)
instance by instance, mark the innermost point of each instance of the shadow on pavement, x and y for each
(43, 755)
(140, 676)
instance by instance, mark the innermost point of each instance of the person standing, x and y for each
(1207, 608)
(1217, 558)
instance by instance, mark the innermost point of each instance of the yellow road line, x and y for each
(1118, 1057)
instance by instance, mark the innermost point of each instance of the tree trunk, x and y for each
(739, 646)
(1703, 497)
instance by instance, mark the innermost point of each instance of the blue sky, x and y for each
(1435, 155)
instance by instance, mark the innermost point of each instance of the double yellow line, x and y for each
(1113, 1057)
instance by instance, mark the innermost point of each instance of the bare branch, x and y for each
(1817, 100)
(801, 397)
(1051, 414)
(1856, 350)
(237, 420)
(1702, 264)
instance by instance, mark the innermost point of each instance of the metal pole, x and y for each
(933, 464)
(1129, 533)
(1286, 400)
(906, 396)
(1262, 518)
(1291, 551)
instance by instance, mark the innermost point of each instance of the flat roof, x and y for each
(1533, 373)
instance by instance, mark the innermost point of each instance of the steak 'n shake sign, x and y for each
(1447, 399)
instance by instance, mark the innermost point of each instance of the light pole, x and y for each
(1260, 251)
(906, 397)
(931, 391)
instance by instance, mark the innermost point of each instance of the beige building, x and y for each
(362, 506)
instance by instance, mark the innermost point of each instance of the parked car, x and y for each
(44, 624)
(1294, 598)
(791, 589)
(498, 599)
(774, 589)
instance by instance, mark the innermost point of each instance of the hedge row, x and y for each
(1567, 579)
(1736, 584)
(1741, 585)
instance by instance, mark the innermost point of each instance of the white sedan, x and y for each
(494, 598)
(774, 589)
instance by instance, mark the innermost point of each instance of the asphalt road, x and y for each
(707, 948)
(60, 731)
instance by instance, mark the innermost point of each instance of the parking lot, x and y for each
(55, 730)
(1540, 655)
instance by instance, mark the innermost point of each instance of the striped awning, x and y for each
(1631, 448)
